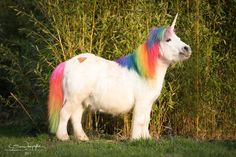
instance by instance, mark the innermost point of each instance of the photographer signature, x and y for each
(24, 148)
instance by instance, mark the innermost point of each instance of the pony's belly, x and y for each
(113, 105)
(112, 97)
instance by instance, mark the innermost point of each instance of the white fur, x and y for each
(106, 86)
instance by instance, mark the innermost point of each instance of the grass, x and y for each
(169, 146)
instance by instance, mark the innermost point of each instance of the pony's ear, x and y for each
(173, 23)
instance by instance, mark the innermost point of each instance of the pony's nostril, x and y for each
(186, 51)
(186, 48)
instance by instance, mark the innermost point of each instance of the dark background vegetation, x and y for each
(198, 99)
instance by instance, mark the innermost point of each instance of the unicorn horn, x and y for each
(173, 23)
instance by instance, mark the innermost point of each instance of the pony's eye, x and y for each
(168, 40)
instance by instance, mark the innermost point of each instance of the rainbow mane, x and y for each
(144, 59)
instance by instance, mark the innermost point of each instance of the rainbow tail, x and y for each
(55, 99)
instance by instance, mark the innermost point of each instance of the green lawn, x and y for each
(103, 147)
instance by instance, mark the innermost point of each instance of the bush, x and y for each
(198, 96)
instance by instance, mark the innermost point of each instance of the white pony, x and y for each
(132, 82)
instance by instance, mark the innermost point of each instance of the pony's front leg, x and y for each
(140, 121)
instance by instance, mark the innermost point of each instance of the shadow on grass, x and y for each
(228, 144)
(11, 131)
(19, 131)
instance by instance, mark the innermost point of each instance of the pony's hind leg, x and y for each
(65, 114)
(76, 118)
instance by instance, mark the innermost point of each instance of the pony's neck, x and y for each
(146, 58)
(161, 69)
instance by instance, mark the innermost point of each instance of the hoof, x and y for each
(82, 138)
(63, 137)
(142, 137)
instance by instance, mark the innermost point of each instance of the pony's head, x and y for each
(162, 43)
(171, 48)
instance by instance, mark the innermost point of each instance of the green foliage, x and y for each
(198, 96)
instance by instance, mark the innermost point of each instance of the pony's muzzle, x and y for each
(186, 52)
